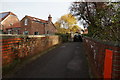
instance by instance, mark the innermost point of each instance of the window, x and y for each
(17, 31)
(26, 22)
(47, 32)
(1, 31)
(11, 24)
(25, 32)
(36, 33)
(9, 31)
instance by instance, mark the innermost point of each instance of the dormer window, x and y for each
(26, 22)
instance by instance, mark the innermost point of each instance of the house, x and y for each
(9, 23)
(35, 26)
(50, 27)
(85, 31)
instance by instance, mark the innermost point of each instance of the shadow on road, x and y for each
(66, 61)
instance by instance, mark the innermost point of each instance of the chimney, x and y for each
(49, 18)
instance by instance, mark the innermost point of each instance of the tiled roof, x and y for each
(37, 19)
(3, 15)
(86, 30)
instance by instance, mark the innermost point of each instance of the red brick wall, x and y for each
(25, 27)
(50, 28)
(37, 27)
(32, 27)
(19, 48)
(96, 52)
(7, 53)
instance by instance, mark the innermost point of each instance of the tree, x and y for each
(75, 28)
(66, 23)
(102, 17)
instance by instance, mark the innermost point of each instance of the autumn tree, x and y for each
(103, 18)
(66, 23)
(75, 28)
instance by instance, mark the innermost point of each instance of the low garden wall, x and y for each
(103, 57)
(21, 46)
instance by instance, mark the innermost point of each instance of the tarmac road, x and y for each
(65, 61)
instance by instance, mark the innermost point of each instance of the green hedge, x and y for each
(63, 37)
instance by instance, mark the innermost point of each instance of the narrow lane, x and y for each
(65, 61)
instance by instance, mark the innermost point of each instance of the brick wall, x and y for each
(37, 27)
(50, 28)
(32, 27)
(25, 27)
(104, 58)
(17, 47)
(10, 20)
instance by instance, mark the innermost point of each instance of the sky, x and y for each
(37, 8)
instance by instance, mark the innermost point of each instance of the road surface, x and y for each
(65, 61)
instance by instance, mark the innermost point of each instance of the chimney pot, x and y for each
(50, 18)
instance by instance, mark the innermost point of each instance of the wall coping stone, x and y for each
(110, 43)
(15, 35)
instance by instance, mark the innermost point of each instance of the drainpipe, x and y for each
(44, 29)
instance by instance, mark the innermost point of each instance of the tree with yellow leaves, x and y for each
(66, 24)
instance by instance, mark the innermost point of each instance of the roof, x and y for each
(15, 25)
(85, 31)
(37, 19)
(3, 15)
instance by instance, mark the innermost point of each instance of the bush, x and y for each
(63, 37)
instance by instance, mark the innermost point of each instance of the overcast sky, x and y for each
(37, 8)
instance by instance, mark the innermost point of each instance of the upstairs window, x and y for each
(11, 24)
(26, 22)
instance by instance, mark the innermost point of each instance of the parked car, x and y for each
(77, 38)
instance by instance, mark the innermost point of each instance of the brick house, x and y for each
(85, 31)
(9, 23)
(50, 27)
(35, 26)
